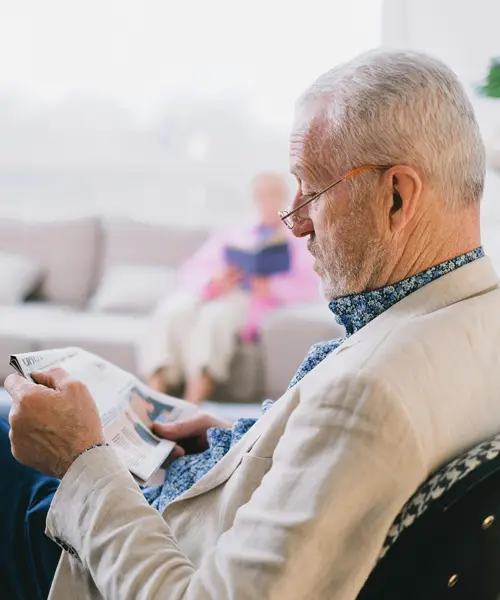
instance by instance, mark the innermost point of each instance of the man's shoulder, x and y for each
(454, 332)
(425, 347)
(427, 369)
(476, 318)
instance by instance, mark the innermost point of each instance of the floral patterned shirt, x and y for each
(352, 312)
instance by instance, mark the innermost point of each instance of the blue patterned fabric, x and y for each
(353, 312)
(187, 470)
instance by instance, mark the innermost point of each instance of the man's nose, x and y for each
(297, 201)
(302, 223)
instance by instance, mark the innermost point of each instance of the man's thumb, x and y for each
(176, 431)
(52, 378)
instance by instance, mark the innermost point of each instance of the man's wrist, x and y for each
(66, 465)
(99, 445)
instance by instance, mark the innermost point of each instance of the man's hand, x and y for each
(190, 434)
(52, 421)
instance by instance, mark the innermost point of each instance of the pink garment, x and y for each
(299, 284)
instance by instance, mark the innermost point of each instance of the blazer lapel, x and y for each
(226, 466)
(470, 280)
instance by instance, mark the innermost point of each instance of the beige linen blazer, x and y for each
(300, 507)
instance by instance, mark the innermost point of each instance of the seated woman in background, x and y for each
(224, 294)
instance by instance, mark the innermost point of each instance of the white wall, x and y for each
(463, 33)
(466, 35)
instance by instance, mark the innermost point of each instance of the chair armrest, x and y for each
(286, 336)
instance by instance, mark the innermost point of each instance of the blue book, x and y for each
(262, 262)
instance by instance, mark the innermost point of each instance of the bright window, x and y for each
(148, 105)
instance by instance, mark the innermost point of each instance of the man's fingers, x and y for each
(16, 385)
(181, 429)
(177, 452)
(169, 431)
(52, 378)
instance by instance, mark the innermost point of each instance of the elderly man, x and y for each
(390, 168)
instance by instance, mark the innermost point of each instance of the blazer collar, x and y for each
(470, 280)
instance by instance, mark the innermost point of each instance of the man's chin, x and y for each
(326, 288)
(318, 266)
(331, 290)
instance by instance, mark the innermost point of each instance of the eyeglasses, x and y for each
(290, 217)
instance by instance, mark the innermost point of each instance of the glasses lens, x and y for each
(289, 221)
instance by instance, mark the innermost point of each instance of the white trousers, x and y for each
(188, 336)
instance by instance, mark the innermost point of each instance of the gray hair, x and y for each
(398, 107)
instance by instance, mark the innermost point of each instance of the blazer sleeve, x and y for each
(343, 468)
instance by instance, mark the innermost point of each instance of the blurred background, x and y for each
(127, 115)
(160, 106)
(171, 107)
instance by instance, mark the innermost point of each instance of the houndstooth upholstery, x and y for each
(437, 485)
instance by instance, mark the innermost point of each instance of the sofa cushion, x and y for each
(67, 251)
(40, 326)
(19, 324)
(133, 288)
(19, 276)
(113, 337)
(246, 376)
(131, 242)
(287, 334)
(30, 318)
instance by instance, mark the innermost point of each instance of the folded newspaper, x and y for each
(126, 406)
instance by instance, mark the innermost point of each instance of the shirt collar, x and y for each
(355, 311)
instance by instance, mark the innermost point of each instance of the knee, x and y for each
(213, 317)
(175, 307)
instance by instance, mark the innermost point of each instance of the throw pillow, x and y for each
(133, 288)
(19, 276)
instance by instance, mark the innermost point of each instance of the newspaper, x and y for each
(126, 406)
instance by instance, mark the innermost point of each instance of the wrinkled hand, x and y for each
(190, 434)
(52, 421)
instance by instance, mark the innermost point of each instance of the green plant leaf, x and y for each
(491, 87)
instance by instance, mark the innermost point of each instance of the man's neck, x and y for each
(426, 247)
(356, 310)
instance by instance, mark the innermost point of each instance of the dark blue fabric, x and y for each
(28, 558)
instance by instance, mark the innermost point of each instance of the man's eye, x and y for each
(304, 197)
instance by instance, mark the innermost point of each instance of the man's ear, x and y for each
(397, 201)
(406, 186)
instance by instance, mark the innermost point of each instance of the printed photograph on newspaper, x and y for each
(126, 406)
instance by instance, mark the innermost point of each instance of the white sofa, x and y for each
(76, 255)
